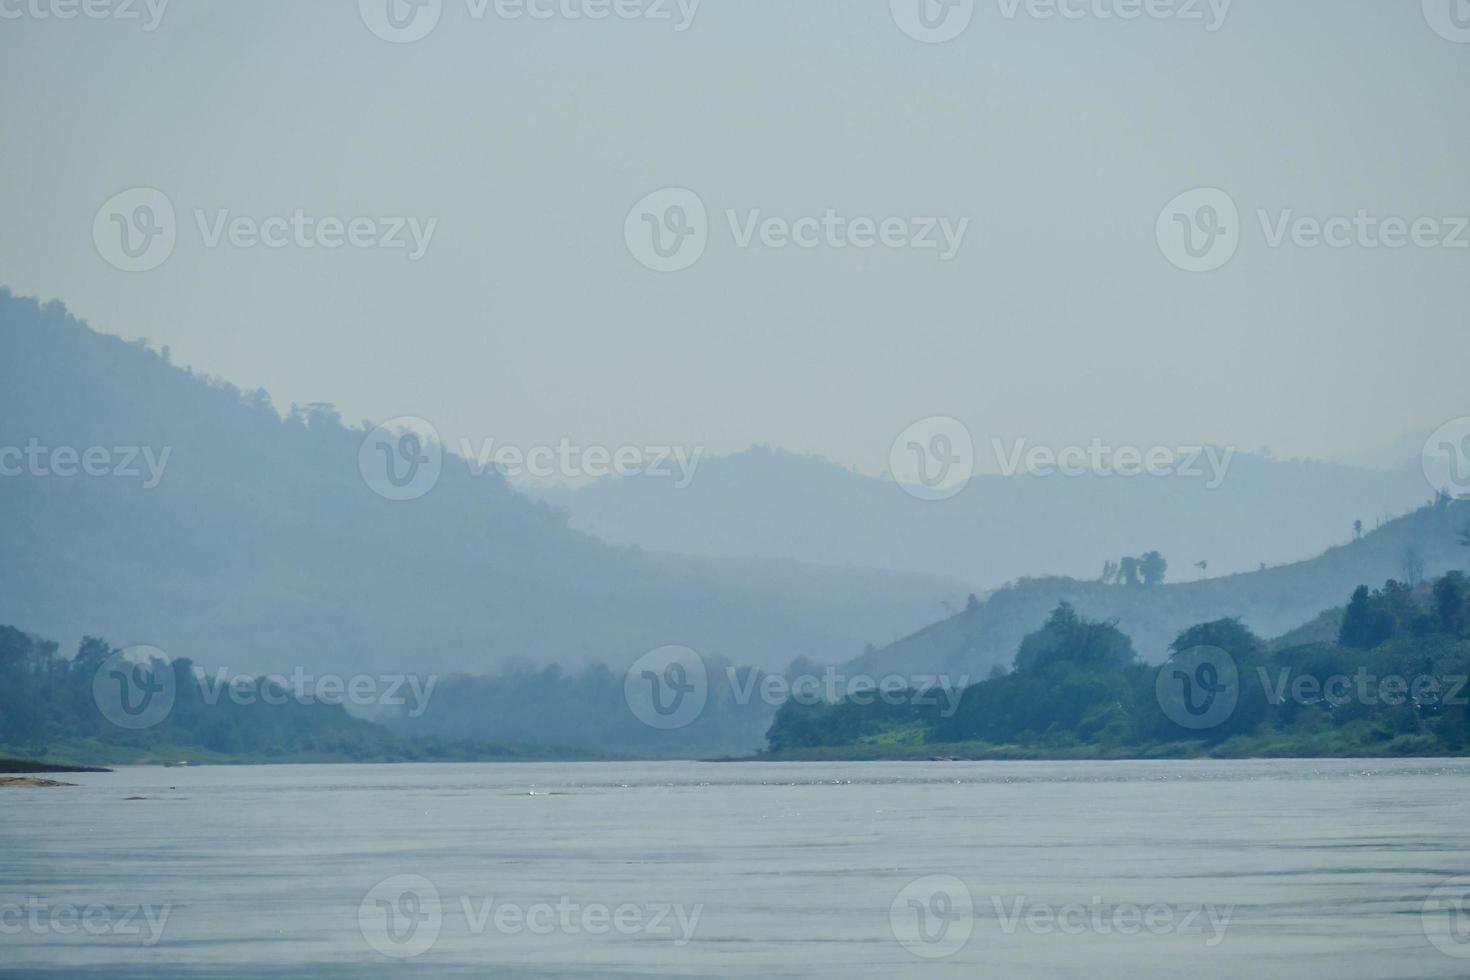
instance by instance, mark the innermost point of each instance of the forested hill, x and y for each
(1271, 601)
(1389, 682)
(261, 547)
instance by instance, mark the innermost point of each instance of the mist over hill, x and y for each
(769, 502)
(1271, 601)
(215, 529)
(246, 539)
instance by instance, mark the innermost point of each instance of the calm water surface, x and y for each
(1223, 869)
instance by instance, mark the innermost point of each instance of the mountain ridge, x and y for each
(262, 547)
(773, 502)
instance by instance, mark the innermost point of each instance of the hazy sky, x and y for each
(528, 318)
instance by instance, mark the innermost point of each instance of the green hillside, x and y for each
(1393, 681)
(1270, 602)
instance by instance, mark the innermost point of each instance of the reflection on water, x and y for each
(1220, 869)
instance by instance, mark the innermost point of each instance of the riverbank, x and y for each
(37, 765)
(1319, 746)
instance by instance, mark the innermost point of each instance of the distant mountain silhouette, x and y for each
(263, 548)
(768, 502)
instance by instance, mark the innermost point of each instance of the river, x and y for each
(1134, 869)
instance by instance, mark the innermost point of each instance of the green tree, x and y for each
(1128, 571)
(1373, 619)
(1354, 630)
(1230, 635)
(1450, 602)
(1152, 567)
(1068, 639)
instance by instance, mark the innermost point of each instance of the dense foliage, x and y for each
(1271, 601)
(1394, 683)
(48, 709)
